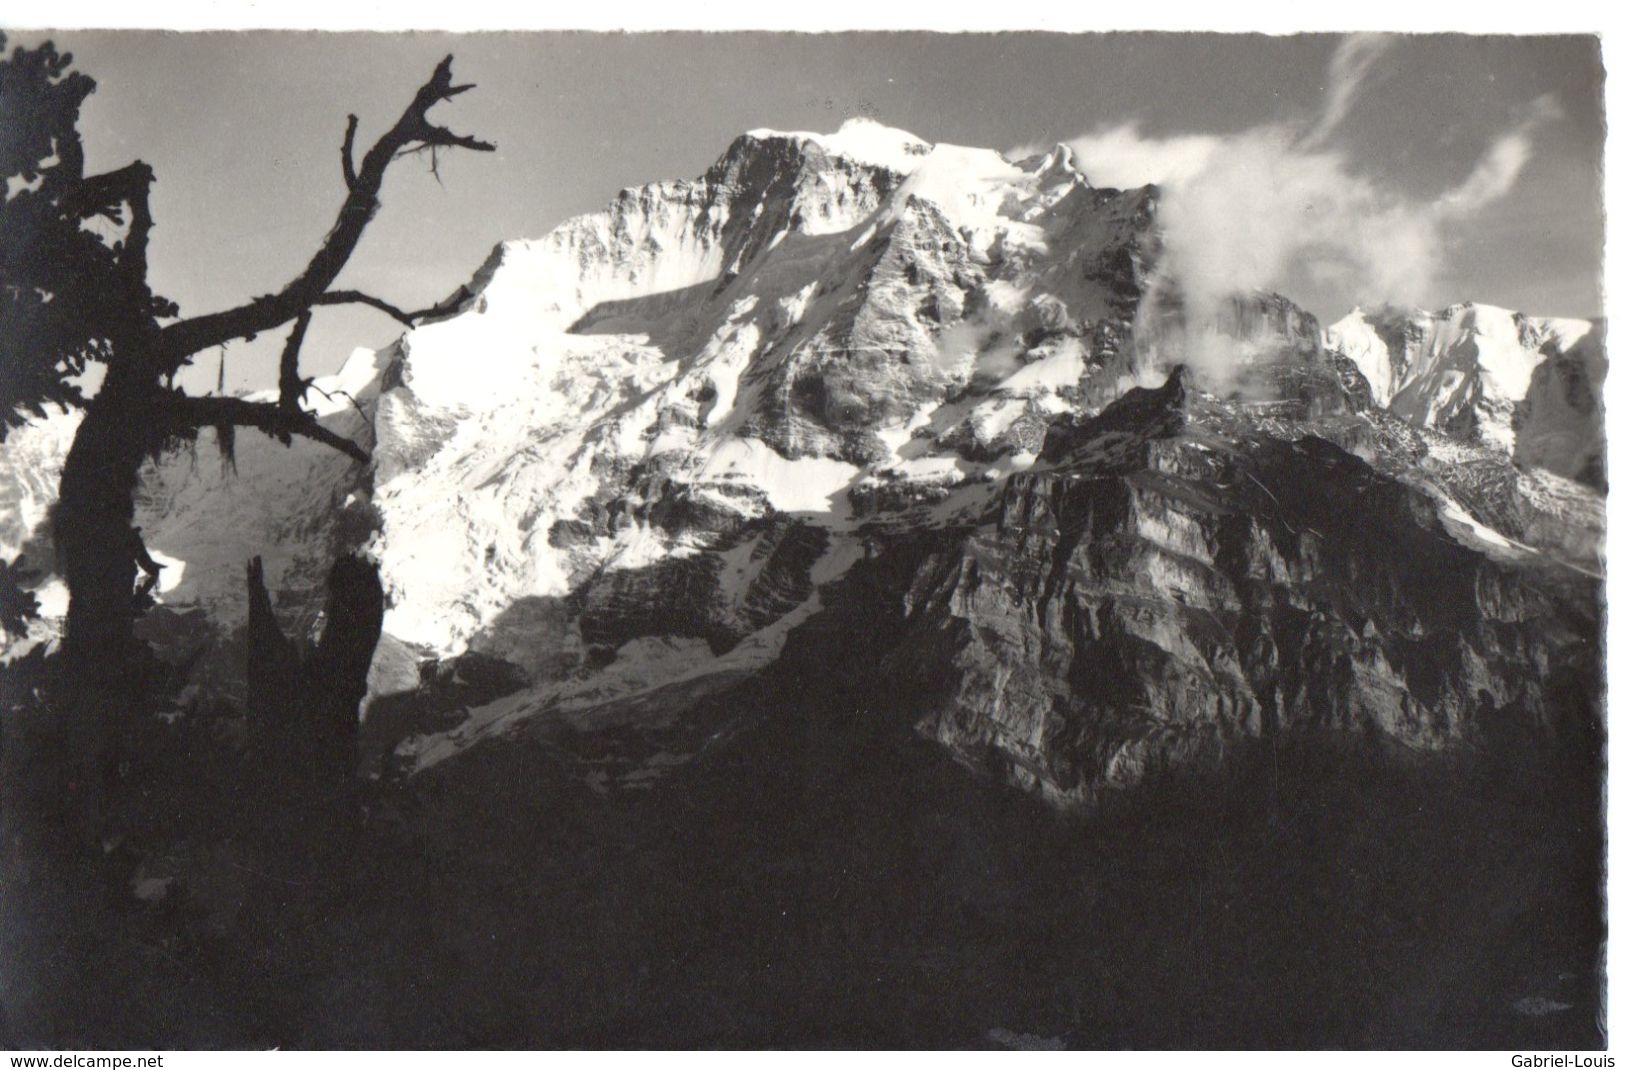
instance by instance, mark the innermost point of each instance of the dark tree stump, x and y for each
(304, 710)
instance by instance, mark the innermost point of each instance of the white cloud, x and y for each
(1121, 156)
(1350, 66)
(1276, 208)
(1498, 170)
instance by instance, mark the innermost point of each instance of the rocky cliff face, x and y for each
(652, 445)
(1175, 582)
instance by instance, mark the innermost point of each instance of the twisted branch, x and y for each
(179, 341)
(181, 412)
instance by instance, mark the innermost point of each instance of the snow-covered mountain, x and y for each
(1531, 386)
(857, 381)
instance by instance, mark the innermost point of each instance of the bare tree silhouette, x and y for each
(74, 290)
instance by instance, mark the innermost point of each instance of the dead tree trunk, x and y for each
(93, 534)
(337, 671)
(273, 673)
(304, 710)
(138, 411)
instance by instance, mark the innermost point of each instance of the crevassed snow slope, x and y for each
(1471, 370)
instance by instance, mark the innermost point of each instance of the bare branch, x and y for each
(178, 341)
(182, 412)
(356, 297)
(438, 137)
(347, 154)
(447, 306)
(292, 388)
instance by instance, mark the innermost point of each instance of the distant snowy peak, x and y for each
(865, 141)
(862, 140)
(820, 329)
(1528, 385)
(1408, 353)
(680, 237)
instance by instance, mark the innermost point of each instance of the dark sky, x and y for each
(243, 131)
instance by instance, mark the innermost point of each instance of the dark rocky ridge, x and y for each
(1179, 576)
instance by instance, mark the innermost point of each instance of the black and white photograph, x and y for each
(760, 539)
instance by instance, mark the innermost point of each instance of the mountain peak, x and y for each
(862, 140)
(1525, 384)
(1060, 160)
